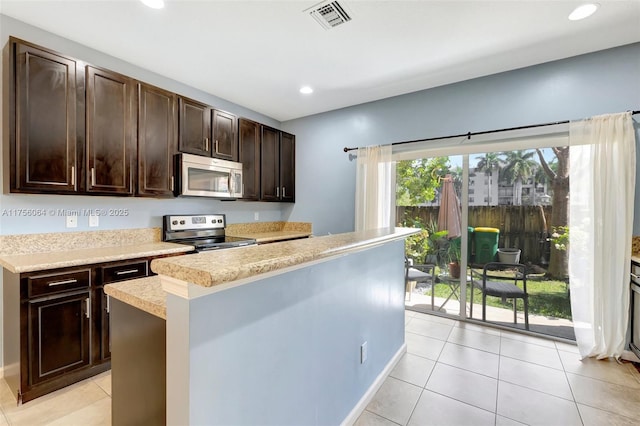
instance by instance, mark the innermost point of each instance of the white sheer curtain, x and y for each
(375, 188)
(602, 182)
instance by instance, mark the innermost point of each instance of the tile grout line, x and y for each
(573, 395)
(498, 378)
(413, 410)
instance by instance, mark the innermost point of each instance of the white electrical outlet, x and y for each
(94, 220)
(256, 216)
(72, 221)
(363, 353)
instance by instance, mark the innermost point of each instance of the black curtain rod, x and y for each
(469, 134)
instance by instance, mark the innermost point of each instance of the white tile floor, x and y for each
(87, 403)
(465, 374)
(452, 374)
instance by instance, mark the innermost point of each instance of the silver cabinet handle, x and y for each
(283, 192)
(172, 186)
(93, 176)
(277, 191)
(128, 271)
(108, 303)
(206, 144)
(217, 152)
(87, 312)
(73, 175)
(55, 283)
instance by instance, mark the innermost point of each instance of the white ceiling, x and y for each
(258, 53)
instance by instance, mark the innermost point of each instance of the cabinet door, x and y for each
(111, 132)
(43, 121)
(58, 335)
(157, 140)
(105, 334)
(249, 156)
(288, 167)
(270, 165)
(195, 128)
(225, 137)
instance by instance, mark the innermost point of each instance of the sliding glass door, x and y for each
(513, 211)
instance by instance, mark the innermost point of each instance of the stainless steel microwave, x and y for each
(200, 176)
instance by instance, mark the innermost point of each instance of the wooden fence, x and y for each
(523, 227)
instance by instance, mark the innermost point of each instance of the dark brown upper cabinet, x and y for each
(46, 109)
(79, 129)
(195, 127)
(225, 135)
(288, 167)
(270, 164)
(277, 172)
(157, 140)
(249, 156)
(111, 132)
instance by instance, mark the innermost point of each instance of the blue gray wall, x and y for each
(294, 360)
(574, 88)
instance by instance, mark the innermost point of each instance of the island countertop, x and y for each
(142, 293)
(208, 269)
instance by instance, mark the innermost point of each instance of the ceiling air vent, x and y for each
(329, 14)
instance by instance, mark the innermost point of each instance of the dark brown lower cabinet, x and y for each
(58, 335)
(56, 325)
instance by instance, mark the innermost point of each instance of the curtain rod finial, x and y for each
(346, 149)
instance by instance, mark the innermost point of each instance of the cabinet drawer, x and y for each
(125, 271)
(40, 285)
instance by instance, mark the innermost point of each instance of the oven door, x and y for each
(208, 177)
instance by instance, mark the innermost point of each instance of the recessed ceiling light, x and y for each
(583, 11)
(306, 90)
(154, 4)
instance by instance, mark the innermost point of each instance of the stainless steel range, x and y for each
(203, 231)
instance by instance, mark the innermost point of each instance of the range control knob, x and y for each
(182, 222)
(219, 220)
(175, 222)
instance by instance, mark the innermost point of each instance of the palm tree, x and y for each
(519, 166)
(488, 163)
(558, 174)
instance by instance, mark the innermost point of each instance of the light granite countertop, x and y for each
(19, 263)
(213, 268)
(267, 232)
(142, 293)
(38, 252)
(635, 258)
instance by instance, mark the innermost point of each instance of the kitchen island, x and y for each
(297, 332)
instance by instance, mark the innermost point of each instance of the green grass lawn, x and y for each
(546, 297)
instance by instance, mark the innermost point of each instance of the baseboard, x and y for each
(370, 393)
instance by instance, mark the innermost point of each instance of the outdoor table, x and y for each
(454, 285)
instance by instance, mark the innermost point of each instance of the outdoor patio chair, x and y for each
(422, 273)
(494, 281)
